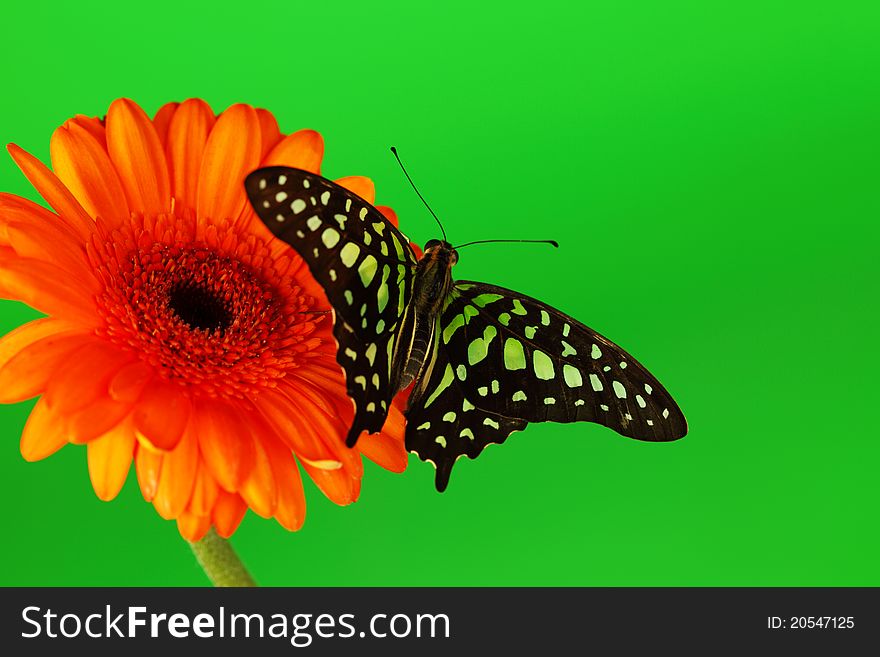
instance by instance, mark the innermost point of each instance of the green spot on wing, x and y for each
(543, 365)
(484, 300)
(349, 254)
(457, 322)
(572, 376)
(514, 355)
(444, 383)
(397, 246)
(478, 349)
(382, 294)
(401, 288)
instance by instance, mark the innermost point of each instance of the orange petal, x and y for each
(193, 527)
(292, 425)
(303, 149)
(83, 376)
(384, 451)
(226, 442)
(337, 485)
(53, 190)
(162, 120)
(331, 382)
(161, 414)
(269, 132)
(95, 419)
(204, 493)
(228, 512)
(43, 434)
(177, 477)
(16, 208)
(380, 448)
(27, 373)
(315, 396)
(6, 253)
(139, 157)
(148, 464)
(232, 152)
(93, 125)
(360, 185)
(291, 508)
(331, 432)
(388, 213)
(187, 136)
(258, 489)
(129, 382)
(110, 459)
(43, 285)
(387, 449)
(26, 334)
(85, 167)
(51, 241)
(395, 424)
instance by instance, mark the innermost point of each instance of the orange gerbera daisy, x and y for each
(179, 332)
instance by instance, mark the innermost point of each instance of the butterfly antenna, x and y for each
(553, 243)
(394, 150)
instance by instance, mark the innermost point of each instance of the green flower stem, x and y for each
(219, 561)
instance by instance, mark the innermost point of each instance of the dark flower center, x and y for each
(199, 307)
(220, 315)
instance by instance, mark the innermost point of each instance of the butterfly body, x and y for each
(483, 361)
(432, 282)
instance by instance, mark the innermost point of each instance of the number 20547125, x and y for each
(810, 622)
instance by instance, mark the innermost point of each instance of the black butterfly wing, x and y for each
(516, 360)
(363, 262)
(443, 421)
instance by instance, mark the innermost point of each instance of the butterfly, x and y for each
(483, 361)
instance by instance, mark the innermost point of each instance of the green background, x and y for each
(710, 170)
